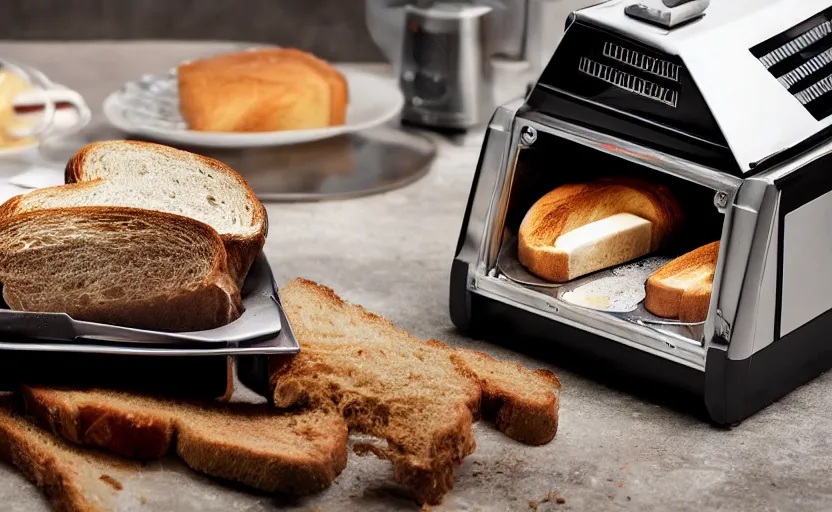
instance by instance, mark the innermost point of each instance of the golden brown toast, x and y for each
(261, 90)
(574, 206)
(420, 397)
(293, 452)
(682, 288)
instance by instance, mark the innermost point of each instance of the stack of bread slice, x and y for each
(355, 373)
(141, 235)
(147, 235)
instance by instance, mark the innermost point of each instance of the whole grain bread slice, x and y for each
(73, 479)
(420, 397)
(156, 177)
(296, 452)
(123, 266)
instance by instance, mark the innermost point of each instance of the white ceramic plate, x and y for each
(14, 151)
(149, 107)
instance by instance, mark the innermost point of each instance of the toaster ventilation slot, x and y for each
(629, 81)
(801, 61)
(638, 60)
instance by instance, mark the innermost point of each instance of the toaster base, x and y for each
(726, 393)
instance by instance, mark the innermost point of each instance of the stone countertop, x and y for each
(392, 254)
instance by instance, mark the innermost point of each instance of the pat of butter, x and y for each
(604, 243)
(601, 230)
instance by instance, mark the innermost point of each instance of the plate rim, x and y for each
(244, 140)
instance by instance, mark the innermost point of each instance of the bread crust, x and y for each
(681, 289)
(241, 250)
(572, 206)
(215, 303)
(268, 87)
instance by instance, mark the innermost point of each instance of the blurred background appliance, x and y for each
(457, 60)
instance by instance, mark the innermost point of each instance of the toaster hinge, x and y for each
(722, 329)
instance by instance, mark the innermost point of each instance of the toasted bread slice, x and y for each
(74, 480)
(681, 289)
(268, 89)
(155, 177)
(421, 397)
(577, 229)
(123, 266)
(295, 452)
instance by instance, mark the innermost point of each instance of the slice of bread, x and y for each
(270, 89)
(577, 229)
(681, 289)
(123, 266)
(293, 452)
(420, 397)
(73, 479)
(155, 177)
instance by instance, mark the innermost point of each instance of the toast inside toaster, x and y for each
(596, 231)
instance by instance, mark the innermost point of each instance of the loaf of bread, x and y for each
(681, 289)
(577, 229)
(156, 177)
(270, 89)
(122, 266)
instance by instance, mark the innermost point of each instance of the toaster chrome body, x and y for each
(727, 102)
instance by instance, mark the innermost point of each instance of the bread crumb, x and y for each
(620, 485)
(112, 482)
(533, 505)
(142, 500)
(549, 497)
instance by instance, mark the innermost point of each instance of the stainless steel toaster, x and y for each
(729, 104)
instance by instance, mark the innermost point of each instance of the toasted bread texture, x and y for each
(292, 452)
(681, 289)
(269, 89)
(114, 265)
(419, 397)
(73, 479)
(601, 243)
(156, 177)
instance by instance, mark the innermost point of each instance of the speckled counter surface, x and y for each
(392, 254)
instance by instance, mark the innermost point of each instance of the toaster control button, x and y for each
(667, 13)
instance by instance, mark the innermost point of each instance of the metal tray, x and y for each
(628, 279)
(261, 329)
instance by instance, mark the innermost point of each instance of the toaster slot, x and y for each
(618, 291)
